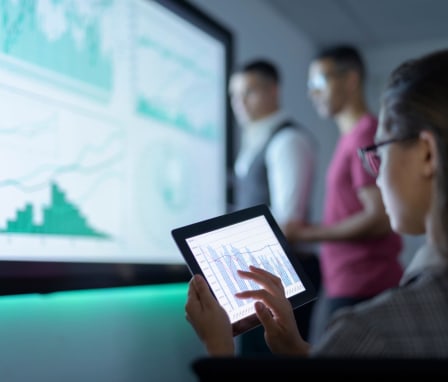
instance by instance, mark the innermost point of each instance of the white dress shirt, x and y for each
(290, 162)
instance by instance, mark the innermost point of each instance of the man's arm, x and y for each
(371, 221)
(290, 161)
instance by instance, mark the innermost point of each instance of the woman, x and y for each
(410, 158)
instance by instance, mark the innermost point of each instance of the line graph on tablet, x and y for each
(220, 253)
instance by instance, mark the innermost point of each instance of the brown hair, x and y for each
(345, 57)
(263, 67)
(416, 99)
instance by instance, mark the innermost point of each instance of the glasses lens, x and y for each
(317, 82)
(372, 162)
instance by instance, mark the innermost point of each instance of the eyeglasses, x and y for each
(319, 82)
(370, 158)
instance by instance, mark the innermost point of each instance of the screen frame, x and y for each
(23, 277)
(181, 235)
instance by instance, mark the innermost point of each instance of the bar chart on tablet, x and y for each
(220, 253)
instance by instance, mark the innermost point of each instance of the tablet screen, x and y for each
(217, 248)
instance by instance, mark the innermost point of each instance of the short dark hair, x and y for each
(345, 56)
(263, 67)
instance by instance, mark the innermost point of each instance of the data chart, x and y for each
(220, 253)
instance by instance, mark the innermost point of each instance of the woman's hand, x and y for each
(208, 318)
(275, 313)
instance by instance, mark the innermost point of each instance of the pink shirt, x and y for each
(355, 268)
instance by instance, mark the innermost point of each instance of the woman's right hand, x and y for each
(275, 313)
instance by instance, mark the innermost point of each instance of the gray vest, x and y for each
(253, 188)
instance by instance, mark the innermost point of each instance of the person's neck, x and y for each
(350, 115)
(264, 118)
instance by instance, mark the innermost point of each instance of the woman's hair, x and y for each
(416, 99)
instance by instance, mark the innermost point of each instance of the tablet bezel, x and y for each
(182, 234)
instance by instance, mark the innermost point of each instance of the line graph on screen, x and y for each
(222, 252)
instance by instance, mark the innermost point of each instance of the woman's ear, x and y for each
(430, 152)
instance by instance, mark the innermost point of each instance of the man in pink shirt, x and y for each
(360, 255)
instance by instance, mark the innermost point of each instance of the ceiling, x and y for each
(366, 22)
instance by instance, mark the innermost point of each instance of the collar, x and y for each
(263, 128)
(426, 258)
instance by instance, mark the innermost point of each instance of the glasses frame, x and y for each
(321, 81)
(364, 152)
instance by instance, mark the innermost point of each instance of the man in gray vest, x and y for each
(275, 165)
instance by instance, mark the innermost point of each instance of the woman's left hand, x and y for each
(208, 318)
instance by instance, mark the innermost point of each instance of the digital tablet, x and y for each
(217, 247)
